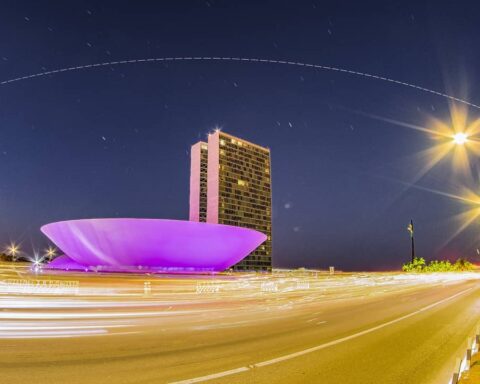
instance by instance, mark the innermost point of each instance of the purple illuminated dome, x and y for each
(150, 245)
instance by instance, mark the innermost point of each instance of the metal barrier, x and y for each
(464, 364)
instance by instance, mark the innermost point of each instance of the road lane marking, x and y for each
(321, 346)
(212, 376)
(358, 334)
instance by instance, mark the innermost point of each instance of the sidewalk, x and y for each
(472, 376)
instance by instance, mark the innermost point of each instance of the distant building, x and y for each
(237, 190)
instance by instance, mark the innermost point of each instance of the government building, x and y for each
(230, 183)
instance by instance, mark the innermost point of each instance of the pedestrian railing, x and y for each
(464, 364)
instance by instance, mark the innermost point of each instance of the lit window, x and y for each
(222, 152)
(242, 182)
(222, 142)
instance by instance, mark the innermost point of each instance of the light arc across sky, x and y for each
(240, 59)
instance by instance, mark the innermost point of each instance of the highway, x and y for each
(239, 328)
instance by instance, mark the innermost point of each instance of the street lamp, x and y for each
(13, 250)
(50, 252)
(410, 230)
(460, 138)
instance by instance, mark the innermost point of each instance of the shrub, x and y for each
(463, 265)
(439, 266)
(419, 265)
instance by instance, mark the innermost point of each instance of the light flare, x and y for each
(37, 261)
(50, 252)
(471, 214)
(469, 198)
(459, 137)
(13, 250)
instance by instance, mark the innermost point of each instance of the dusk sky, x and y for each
(114, 141)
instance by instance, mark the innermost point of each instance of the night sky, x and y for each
(114, 141)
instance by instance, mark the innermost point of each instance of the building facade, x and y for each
(238, 190)
(198, 182)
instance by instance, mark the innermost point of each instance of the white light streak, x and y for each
(242, 59)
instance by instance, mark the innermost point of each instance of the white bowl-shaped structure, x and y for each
(152, 244)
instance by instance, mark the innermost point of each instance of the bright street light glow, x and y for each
(460, 138)
(13, 249)
(50, 252)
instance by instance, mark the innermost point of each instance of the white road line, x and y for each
(212, 376)
(358, 334)
(319, 347)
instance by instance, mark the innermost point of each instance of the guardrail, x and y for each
(464, 364)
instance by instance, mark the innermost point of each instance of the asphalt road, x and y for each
(285, 328)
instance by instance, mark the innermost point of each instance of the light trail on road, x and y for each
(243, 60)
(318, 347)
(183, 299)
(223, 328)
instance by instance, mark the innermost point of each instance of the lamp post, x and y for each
(410, 230)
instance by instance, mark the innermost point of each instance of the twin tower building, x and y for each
(230, 183)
